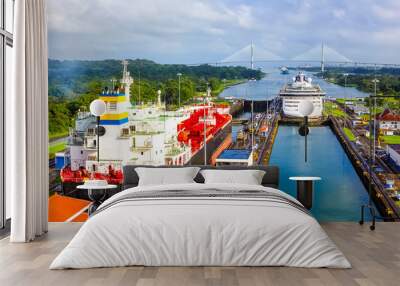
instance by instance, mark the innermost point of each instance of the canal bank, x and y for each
(383, 203)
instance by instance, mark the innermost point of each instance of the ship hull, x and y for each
(216, 144)
(290, 106)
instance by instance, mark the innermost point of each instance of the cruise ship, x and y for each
(299, 90)
(145, 134)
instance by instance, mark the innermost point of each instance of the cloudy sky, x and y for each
(192, 31)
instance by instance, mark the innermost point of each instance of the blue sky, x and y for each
(192, 31)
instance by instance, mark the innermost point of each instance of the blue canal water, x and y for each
(269, 86)
(340, 193)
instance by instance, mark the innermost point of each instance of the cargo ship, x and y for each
(143, 134)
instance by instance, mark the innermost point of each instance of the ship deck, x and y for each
(375, 257)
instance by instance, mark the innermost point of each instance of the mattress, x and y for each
(201, 225)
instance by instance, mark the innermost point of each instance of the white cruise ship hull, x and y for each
(290, 105)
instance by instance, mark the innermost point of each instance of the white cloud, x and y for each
(387, 10)
(141, 28)
(205, 30)
(339, 13)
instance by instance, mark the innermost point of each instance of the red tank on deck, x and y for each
(191, 130)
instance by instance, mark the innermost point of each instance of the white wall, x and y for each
(8, 83)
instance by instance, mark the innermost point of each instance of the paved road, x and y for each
(58, 140)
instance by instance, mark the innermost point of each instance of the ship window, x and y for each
(90, 131)
(132, 128)
(112, 105)
(125, 131)
(141, 153)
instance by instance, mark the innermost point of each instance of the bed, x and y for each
(198, 224)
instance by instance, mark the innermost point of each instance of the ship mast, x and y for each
(127, 80)
(322, 58)
(252, 55)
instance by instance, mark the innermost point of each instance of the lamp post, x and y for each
(252, 125)
(205, 130)
(98, 108)
(179, 89)
(305, 108)
(345, 100)
(139, 88)
(375, 81)
(159, 98)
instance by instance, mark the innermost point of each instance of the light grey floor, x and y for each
(375, 257)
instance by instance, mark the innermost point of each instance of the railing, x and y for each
(144, 147)
(146, 132)
(175, 151)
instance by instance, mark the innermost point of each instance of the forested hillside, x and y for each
(388, 83)
(74, 84)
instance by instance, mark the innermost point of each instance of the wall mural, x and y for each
(119, 95)
(150, 114)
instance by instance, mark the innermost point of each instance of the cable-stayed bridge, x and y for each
(322, 52)
(252, 55)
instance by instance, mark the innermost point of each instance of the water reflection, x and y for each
(340, 194)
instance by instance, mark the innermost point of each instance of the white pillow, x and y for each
(248, 177)
(166, 176)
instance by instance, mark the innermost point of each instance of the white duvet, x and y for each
(200, 231)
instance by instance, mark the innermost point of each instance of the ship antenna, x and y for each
(252, 125)
(126, 80)
(139, 86)
(252, 55)
(125, 65)
(113, 81)
(322, 58)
